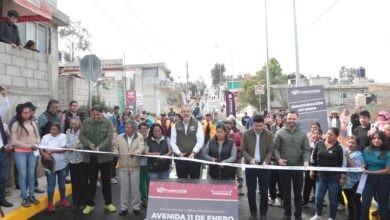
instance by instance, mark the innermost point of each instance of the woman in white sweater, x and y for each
(51, 142)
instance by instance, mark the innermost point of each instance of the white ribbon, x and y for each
(237, 165)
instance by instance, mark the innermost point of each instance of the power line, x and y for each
(121, 29)
(146, 28)
(322, 15)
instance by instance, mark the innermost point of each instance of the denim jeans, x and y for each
(296, 177)
(3, 174)
(254, 176)
(51, 184)
(330, 184)
(159, 175)
(379, 185)
(25, 162)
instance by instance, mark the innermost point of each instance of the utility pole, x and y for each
(297, 74)
(267, 65)
(187, 81)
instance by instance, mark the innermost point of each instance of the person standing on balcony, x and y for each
(9, 32)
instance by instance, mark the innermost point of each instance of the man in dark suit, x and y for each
(257, 149)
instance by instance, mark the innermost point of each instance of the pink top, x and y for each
(23, 141)
(344, 119)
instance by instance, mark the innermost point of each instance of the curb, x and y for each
(26, 213)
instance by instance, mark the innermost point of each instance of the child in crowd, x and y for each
(354, 159)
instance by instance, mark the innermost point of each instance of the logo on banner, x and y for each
(221, 192)
(162, 189)
(295, 92)
(298, 92)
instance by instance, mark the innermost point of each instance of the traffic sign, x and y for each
(259, 90)
(90, 67)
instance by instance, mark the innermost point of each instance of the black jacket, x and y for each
(332, 157)
(9, 33)
(361, 133)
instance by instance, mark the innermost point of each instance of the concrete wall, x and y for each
(30, 76)
(72, 88)
(75, 88)
(110, 95)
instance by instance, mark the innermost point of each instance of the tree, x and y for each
(217, 75)
(275, 72)
(247, 90)
(193, 88)
(76, 39)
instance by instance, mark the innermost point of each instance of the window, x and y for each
(22, 32)
(31, 31)
(39, 33)
(42, 39)
(343, 95)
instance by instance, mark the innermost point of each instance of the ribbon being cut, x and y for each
(242, 166)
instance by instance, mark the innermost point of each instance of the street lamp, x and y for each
(231, 60)
(267, 65)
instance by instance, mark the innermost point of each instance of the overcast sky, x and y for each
(352, 33)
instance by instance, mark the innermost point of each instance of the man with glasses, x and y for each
(187, 141)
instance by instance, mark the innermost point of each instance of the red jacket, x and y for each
(237, 140)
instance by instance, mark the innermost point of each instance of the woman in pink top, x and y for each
(345, 118)
(25, 137)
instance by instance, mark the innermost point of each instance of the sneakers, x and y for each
(87, 210)
(316, 217)
(51, 207)
(114, 181)
(110, 208)
(65, 203)
(26, 203)
(274, 202)
(341, 208)
(33, 200)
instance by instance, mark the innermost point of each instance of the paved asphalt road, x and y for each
(274, 213)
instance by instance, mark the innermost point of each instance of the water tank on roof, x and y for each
(361, 72)
(360, 99)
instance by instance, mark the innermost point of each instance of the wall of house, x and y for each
(30, 76)
(75, 88)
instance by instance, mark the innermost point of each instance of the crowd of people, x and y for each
(266, 140)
